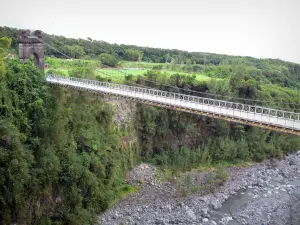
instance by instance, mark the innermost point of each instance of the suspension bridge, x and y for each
(268, 118)
(253, 115)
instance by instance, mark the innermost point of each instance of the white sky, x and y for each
(258, 28)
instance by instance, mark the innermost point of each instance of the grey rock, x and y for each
(215, 205)
(190, 213)
(204, 211)
(204, 220)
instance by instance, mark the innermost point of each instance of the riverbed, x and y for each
(265, 193)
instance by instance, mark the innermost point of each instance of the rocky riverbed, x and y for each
(265, 193)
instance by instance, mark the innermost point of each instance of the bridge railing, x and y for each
(277, 113)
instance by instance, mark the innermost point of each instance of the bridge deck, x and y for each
(242, 113)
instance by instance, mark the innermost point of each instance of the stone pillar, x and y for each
(32, 43)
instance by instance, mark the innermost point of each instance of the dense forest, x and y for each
(61, 160)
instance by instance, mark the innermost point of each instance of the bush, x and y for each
(108, 60)
(82, 72)
(221, 174)
(133, 55)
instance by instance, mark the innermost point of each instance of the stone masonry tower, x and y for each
(32, 43)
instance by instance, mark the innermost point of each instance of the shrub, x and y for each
(108, 60)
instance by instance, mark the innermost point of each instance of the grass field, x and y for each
(149, 66)
(63, 67)
(145, 65)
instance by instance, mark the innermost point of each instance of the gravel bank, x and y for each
(265, 193)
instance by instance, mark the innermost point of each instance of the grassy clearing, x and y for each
(64, 66)
(164, 66)
(58, 71)
(145, 65)
(122, 72)
(57, 63)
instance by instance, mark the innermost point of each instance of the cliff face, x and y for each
(124, 110)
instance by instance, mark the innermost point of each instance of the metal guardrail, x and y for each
(238, 111)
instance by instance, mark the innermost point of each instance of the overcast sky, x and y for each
(258, 28)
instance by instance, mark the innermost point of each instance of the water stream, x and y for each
(242, 198)
(234, 203)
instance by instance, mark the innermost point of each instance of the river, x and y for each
(265, 193)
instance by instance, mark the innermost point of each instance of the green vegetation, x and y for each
(108, 60)
(273, 71)
(65, 66)
(215, 178)
(182, 141)
(75, 51)
(61, 160)
(132, 55)
(60, 156)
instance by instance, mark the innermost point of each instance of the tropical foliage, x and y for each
(60, 155)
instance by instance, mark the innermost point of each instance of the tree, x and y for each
(244, 85)
(221, 87)
(173, 64)
(75, 51)
(132, 55)
(82, 72)
(108, 60)
(4, 44)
